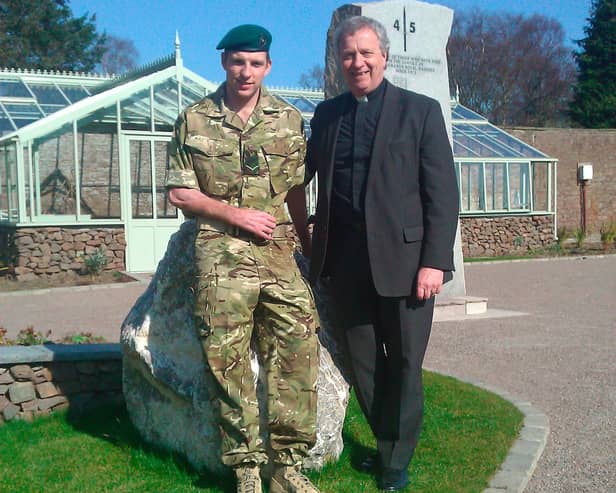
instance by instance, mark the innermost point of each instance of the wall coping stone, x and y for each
(59, 352)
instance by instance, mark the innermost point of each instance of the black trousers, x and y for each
(384, 341)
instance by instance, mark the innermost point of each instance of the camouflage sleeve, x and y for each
(298, 178)
(181, 173)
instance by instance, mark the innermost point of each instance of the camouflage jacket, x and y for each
(247, 165)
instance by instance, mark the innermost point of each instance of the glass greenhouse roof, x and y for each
(475, 137)
(27, 96)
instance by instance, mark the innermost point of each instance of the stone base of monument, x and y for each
(167, 384)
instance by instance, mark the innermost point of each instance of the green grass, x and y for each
(467, 433)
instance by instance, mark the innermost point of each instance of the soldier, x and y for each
(236, 155)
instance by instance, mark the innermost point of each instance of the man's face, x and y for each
(245, 72)
(363, 62)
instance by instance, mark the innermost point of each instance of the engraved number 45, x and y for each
(411, 26)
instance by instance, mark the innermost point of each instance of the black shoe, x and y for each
(393, 479)
(370, 463)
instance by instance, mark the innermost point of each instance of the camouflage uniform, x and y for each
(245, 283)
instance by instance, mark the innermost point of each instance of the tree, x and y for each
(514, 70)
(120, 55)
(313, 78)
(594, 104)
(43, 34)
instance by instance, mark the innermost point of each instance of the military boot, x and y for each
(288, 479)
(248, 479)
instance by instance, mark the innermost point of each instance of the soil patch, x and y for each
(64, 280)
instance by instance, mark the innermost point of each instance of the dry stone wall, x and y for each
(494, 236)
(32, 389)
(56, 250)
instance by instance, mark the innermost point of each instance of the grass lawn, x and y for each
(467, 433)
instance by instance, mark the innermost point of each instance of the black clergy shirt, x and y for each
(352, 157)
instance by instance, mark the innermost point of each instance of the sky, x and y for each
(298, 28)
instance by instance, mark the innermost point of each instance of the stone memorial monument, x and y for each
(418, 33)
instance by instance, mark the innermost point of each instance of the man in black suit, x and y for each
(386, 220)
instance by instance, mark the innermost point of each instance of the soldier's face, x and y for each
(363, 62)
(245, 72)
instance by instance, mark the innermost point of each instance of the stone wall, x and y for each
(494, 236)
(78, 377)
(56, 250)
(572, 146)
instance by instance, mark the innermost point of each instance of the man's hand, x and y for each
(429, 282)
(259, 223)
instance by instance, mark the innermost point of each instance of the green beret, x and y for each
(247, 37)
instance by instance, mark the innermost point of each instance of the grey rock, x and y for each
(166, 381)
(21, 392)
(52, 402)
(6, 378)
(10, 411)
(21, 372)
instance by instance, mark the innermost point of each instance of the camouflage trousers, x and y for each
(245, 291)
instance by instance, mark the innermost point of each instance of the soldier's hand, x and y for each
(259, 223)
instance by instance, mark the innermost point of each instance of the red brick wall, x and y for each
(571, 146)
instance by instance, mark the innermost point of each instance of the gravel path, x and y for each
(561, 356)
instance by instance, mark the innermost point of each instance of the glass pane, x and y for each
(6, 126)
(163, 208)
(28, 110)
(519, 186)
(540, 187)
(99, 171)
(166, 105)
(496, 186)
(141, 179)
(14, 89)
(472, 187)
(191, 92)
(136, 111)
(101, 120)
(460, 112)
(56, 173)
(8, 183)
(48, 109)
(28, 172)
(74, 93)
(48, 94)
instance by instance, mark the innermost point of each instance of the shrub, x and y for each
(562, 233)
(608, 234)
(580, 236)
(30, 337)
(95, 262)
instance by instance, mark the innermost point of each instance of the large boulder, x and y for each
(167, 382)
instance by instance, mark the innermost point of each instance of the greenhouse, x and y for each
(83, 159)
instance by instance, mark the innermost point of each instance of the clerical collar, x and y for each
(372, 95)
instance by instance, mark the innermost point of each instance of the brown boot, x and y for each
(248, 479)
(288, 479)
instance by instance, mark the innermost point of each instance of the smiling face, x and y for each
(363, 62)
(245, 73)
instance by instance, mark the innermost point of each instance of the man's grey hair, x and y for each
(353, 24)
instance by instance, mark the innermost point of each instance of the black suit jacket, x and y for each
(411, 203)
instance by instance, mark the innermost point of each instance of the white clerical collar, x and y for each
(361, 99)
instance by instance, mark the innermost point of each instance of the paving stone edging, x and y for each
(517, 469)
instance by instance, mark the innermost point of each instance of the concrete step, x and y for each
(459, 306)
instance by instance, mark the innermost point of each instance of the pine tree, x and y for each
(594, 104)
(43, 34)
